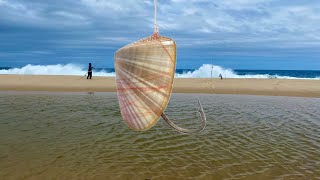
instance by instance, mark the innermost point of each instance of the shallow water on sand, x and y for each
(72, 136)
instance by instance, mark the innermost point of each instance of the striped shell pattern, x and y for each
(144, 76)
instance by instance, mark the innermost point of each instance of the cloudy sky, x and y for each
(242, 34)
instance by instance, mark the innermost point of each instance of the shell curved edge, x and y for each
(144, 77)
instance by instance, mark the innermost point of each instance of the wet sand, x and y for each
(269, 87)
(71, 136)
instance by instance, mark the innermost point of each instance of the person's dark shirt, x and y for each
(90, 69)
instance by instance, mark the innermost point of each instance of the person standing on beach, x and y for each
(89, 71)
(221, 76)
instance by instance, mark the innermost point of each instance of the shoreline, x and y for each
(266, 87)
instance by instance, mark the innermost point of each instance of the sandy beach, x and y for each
(269, 87)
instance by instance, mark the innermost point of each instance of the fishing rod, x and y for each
(84, 75)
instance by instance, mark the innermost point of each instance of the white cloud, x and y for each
(103, 4)
(230, 21)
(69, 15)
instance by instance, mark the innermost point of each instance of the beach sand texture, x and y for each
(83, 136)
(271, 87)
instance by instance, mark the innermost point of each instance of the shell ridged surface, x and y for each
(144, 76)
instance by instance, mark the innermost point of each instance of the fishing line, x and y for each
(203, 121)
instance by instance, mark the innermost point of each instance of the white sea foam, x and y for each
(58, 69)
(73, 69)
(206, 69)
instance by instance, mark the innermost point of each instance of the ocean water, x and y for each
(82, 136)
(205, 71)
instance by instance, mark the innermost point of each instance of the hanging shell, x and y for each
(144, 76)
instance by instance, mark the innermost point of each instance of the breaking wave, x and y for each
(205, 71)
(208, 71)
(58, 69)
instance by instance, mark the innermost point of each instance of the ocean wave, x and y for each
(205, 71)
(58, 69)
(209, 70)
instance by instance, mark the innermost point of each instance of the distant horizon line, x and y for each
(237, 69)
